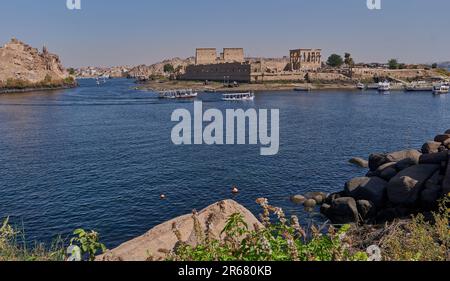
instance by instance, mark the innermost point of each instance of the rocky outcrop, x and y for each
(144, 72)
(20, 62)
(161, 239)
(397, 184)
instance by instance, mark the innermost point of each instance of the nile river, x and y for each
(98, 157)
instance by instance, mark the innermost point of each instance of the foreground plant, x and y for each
(274, 241)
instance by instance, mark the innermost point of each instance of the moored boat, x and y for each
(440, 89)
(360, 86)
(384, 86)
(238, 96)
(177, 94)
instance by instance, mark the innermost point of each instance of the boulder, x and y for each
(404, 154)
(446, 181)
(405, 163)
(342, 210)
(387, 171)
(318, 196)
(446, 143)
(359, 162)
(431, 147)
(298, 199)
(163, 237)
(310, 203)
(434, 158)
(442, 138)
(447, 132)
(432, 192)
(372, 189)
(405, 187)
(334, 196)
(376, 160)
(366, 209)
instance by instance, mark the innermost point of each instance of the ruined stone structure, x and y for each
(209, 56)
(205, 56)
(235, 71)
(305, 59)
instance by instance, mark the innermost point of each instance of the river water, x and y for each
(98, 157)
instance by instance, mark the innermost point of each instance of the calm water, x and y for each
(98, 157)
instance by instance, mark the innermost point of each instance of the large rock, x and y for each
(434, 158)
(163, 237)
(376, 160)
(442, 138)
(342, 210)
(359, 162)
(372, 189)
(21, 61)
(298, 199)
(446, 182)
(404, 154)
(432, 192)
(431, 147)
(405, 163)
(387, 171)
(318, 196)
(366, 209)
(405, 187)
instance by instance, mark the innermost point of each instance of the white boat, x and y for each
(384, 86)
(177, 94)
(361, 86)
(441, 89)
(238, 96)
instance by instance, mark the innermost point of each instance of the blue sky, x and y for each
(116, 32)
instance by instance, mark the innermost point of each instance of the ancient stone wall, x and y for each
(233, 55)
(218, 72)
(305, 59)
(205, 56)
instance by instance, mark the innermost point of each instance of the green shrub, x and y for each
(279, 241)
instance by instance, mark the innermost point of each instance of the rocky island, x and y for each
(24, 68)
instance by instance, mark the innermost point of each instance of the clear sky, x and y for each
(117, 32)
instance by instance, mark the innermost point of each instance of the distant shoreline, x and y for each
(26, 90)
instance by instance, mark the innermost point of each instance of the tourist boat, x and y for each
(419, 86)
(360, 86)
(384, 86)
(177, 94)
(442, 88)
(238, 96)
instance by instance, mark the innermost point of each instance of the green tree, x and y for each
(434, 65)
(335, 60)
(393, 64)
(168, 68)
(71, 71)
(349, 60)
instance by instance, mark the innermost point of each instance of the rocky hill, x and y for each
(21, 62)
(157, 69)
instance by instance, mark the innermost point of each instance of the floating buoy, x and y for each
(234, 190)
(162, 196)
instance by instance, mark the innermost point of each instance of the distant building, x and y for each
(209, 56)
(228, 66)
(305, 59)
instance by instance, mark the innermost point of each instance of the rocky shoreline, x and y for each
(397, 185)
(37, 89)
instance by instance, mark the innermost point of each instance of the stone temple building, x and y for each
(305, 59)
(228, 66)
(209, 56)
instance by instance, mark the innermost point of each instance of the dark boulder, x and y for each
(442, 138)
(405, 187)
(366, 209)
(434, 158)
(431, 147)
(405, 163)
(387, 171)
(432, 192)
(376, 160)
(372, 189)
(342, 210)
(331, 197)
(446, 181)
